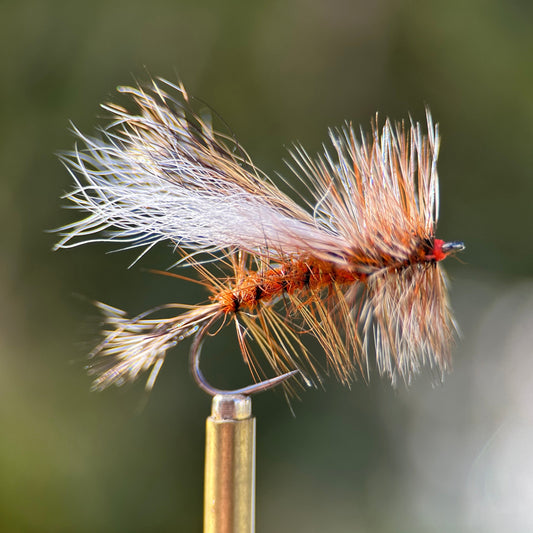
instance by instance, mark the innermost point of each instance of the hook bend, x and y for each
(196, 348)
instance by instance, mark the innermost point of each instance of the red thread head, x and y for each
(437, 252)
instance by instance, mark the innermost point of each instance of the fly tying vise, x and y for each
(358, 263)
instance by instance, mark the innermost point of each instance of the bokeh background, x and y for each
(445, 458)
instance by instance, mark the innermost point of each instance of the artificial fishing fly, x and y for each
(358, 267)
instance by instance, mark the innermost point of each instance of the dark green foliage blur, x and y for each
(446, 458)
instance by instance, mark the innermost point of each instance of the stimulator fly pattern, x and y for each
(356, 265)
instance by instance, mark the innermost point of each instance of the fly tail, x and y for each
(132, 346)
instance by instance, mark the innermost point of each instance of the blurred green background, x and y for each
(448, 458)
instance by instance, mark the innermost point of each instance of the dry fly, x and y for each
(357, 266)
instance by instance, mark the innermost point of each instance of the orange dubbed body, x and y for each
(288, 278)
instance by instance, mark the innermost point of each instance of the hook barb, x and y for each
(196, 349)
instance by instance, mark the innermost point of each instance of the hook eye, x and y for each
(453, 247)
